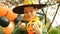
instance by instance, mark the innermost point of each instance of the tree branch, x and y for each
(53, 18)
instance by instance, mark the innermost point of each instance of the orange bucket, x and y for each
(9, 29)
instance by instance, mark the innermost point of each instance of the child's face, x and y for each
(29, 12)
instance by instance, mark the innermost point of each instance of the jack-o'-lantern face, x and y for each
(30, 25)
(30, 29)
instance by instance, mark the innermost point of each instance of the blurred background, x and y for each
(51, 11)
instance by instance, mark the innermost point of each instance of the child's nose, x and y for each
(29, 13)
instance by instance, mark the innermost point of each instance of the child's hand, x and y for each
(22, 25)
(37, 29)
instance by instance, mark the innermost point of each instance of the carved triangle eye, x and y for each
(33, 21)
(28, 25)
(32, 24)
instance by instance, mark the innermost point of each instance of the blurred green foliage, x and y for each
(1, 30)
(54, 31)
